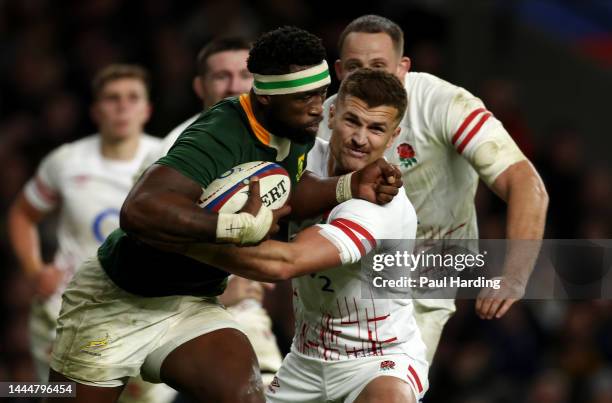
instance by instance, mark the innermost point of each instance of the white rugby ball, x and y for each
(229, 192)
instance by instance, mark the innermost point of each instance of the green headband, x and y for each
(300, 81)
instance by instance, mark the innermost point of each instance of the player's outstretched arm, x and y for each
(522, 189)
(378, 183)
(272, 261)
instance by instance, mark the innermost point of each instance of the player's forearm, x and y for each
(527, 205)
(167, 218)
(23, 234)
(313, 196)
(269, 261)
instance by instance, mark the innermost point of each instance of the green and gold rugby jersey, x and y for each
(222, 137)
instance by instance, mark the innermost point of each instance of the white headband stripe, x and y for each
(319, 68)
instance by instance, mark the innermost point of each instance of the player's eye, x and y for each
(351, 121)
(305, 97)
(220, 76)
(111, 97)
(377, 130)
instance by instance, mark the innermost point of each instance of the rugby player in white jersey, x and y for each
(222, 72)
(347, 346)
(86, 181)
(449, 140)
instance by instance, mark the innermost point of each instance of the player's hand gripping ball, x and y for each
(230, 191)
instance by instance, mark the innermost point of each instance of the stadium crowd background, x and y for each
(544, 68)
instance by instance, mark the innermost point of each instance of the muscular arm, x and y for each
(522, 189)
(161, 209)
(272, 260)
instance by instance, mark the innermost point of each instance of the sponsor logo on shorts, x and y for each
(387, 365)
(93, 346)
(273, 385)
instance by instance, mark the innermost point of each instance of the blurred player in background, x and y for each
(448, 141)
(86, 182)
(176, 330)
(222, 72)
(346, 347)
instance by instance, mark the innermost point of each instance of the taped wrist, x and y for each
(343, 188)
(244, 228)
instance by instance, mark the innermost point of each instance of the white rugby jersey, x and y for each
(447, 140)
(333, 320)
(89, 191)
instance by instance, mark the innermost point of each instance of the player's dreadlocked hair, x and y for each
(276, 50)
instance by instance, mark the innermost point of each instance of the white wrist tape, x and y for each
(243, 228)
(343, 188)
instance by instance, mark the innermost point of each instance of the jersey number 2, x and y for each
(326, 284)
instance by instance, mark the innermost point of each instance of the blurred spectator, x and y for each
(550, 386)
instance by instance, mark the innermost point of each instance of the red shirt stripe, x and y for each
(473, 132)
(45, 191)
(465, 123)
(350, 234)
(358, 228)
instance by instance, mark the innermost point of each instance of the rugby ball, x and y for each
(229, 192)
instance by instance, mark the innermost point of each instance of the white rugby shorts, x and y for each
(106, 334)
(303, 379)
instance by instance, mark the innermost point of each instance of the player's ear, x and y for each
(396, 133)
(264, 99)
(403, 67)
(332, 113)
(198, 87)
(149, 112)
(339, 70)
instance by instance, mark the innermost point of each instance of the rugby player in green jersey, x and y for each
(141, 306)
